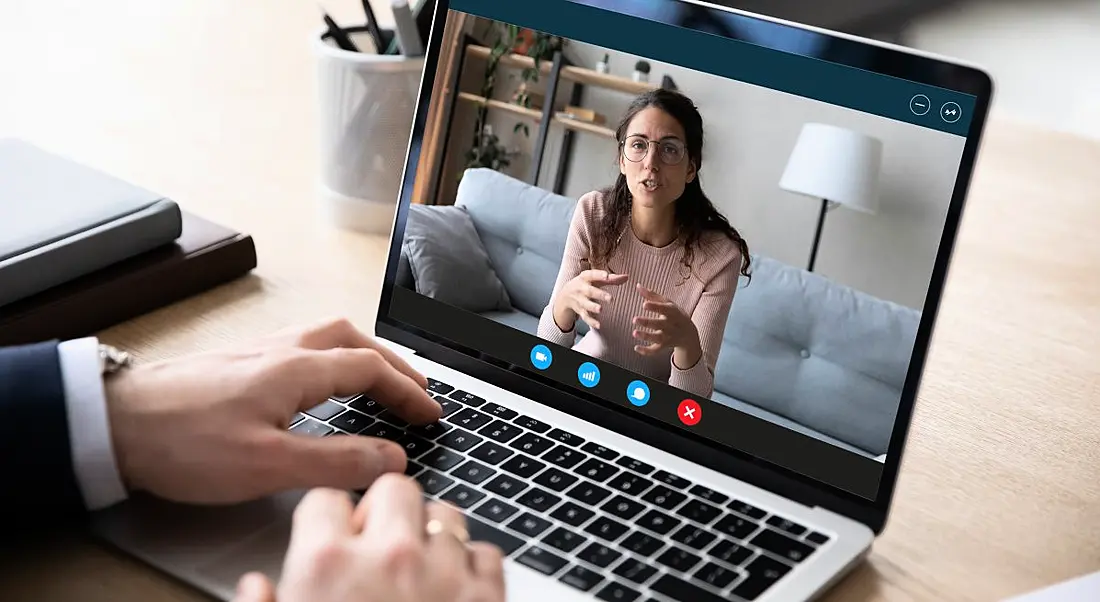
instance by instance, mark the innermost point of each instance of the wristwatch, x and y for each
(112, 359)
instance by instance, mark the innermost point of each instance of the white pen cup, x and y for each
(366, 103)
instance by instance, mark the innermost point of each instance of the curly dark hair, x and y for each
(695, 214)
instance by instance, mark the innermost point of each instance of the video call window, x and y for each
(757, 250)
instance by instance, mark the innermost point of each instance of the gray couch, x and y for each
(799, 350)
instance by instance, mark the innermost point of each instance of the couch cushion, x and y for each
(523, 228)
(821, 354)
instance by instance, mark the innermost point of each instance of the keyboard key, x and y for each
(587, 493)
(505, 486)
(763, 573)
(735, 526)
(781, 545)
(678, 589)
(623, 507)
(709, 495)
(581, 578)
(693, 537)
(367, 406)
(462, 496)
(440, 387)
(599, 555)
(678, 559)
(311, 428)
(432, 482)
(617, 592)
(817, 538)
(499, 411)
(606, 528)
(467, 398)
(636, 465)
(382, 431)
(351, 422)
(345, 398)
(532, 444)
(658, 522)
(718, 576)
(470, 419)
(671, 480)
(441, 458)
(635, 570)
(599, 451)
(597, 470)
(473, 472)
(730, 552)
(531, 424)
(325, 410)
(491, 453)
(296, 419)
(628, 482)
(414, 446)
(554, 479)
(641, 543)
(393, 419)
(565, 437)
(479, 530)
(664, 497)
(747, 509)
(459, 440)
(786, 525)
(563, 456)
(501, 431)
(529, 524)
(572, 514)
(449, 406)
(412, 468)
(563, 539)
(541, 560)
(496, 510)
(523, 466)
(699, 511)
(538, 499)
(431, 430)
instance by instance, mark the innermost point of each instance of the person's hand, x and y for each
(380, 551)
(212, 427)
(583, 296)
(670, 328)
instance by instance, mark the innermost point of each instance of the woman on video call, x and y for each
(650, 265)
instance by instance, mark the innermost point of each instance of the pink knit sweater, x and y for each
(705, 296)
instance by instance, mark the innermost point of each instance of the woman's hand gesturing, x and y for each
(583, 297)
(670, 328)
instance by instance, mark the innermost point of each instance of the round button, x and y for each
(805, 353)
(689, 412)
(638, 393)
(541, 357)
(519, 251)
(588, 374)
(951, 112)
(920, 105)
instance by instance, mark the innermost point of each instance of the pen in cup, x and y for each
(408, 38)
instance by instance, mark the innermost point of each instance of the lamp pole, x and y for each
(817, 235)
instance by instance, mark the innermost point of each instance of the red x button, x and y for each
(689, 412)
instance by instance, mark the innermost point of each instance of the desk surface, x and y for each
(211, 103)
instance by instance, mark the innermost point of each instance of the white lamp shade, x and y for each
(835, 164)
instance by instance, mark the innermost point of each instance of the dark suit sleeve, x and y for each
(39, 481)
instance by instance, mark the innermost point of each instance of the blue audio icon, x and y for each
(588, 374)
(541, 357)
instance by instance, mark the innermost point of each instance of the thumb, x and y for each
(254, 587)
(348, 462)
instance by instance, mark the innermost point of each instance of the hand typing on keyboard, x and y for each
(391, 548)
(212, 428)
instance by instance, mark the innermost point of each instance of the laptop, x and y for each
(762, 472)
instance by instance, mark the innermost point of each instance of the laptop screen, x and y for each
(712, 221)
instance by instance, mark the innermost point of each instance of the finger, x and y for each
(590, 306)
(350, 463)
(488, 563)
(342, 333)
(589, 319)
(592, 292)
(448, 548)
(393, 510)
(650, 295)
(254, 587)
(654, 323)
(341, 371)
(323, 515)
(660, 307)
(605, 278)
(648, 335)
(647, 350)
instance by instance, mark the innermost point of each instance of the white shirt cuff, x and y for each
(89, 429)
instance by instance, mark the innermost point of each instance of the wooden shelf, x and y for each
(575, 124)
(603, 80)
(509, 60)
(499, 104)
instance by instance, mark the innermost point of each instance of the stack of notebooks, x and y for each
(81, 250)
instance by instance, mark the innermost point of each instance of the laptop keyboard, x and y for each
(576, 510)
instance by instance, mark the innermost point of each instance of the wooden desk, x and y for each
(211, 102)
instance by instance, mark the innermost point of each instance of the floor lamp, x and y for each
(838, 166)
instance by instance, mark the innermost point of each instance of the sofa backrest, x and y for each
(817, 352)
(523, 228)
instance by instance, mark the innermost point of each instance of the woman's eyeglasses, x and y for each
(671, 151)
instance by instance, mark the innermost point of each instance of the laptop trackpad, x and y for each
(261, 552)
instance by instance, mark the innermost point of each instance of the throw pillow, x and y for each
(449, 261)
